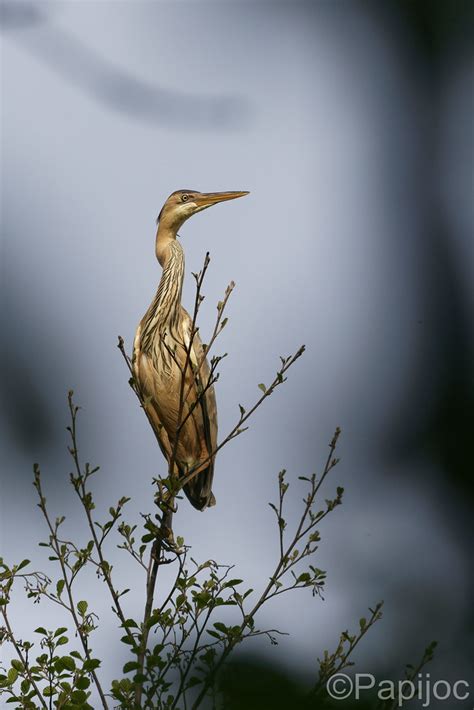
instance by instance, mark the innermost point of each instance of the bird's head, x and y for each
(182, 204)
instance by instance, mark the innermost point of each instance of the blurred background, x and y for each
(351, 125)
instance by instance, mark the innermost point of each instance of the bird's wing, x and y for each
(160, 395)
(144, 375)
(208, 402)
(207, 421)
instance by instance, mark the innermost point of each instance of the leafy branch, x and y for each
(290, 556)
(411, 673)
(335, 662)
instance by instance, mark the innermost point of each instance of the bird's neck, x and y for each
(165, 309)
(167, 301)
(163, 315)
(165, 236)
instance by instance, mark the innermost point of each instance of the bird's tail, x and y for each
(199, 489)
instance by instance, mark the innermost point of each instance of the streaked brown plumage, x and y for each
(160, 347)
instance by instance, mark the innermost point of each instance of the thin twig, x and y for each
(82, 494)
(244, 416)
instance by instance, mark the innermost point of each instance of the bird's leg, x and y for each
(164, 536)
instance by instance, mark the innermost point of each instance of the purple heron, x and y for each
(184, 418)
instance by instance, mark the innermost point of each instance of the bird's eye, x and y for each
(185, 198)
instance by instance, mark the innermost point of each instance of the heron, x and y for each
(169, 361)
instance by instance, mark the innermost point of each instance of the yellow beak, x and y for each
(206, 199)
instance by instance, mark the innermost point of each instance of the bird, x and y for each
(165, 351)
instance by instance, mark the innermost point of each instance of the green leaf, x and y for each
(83, 683)
(59, 665)
(22, 564)
(126, 684)
(17, 664)
(130, 623)
(304, 577)
(221, 627)
(232, 583)
(68, 663)
(82, 607)
(139, 678)
(59, 631)
(62, 640)
(12, 675)
(180, 599)
(91, 664)
(131, 666)
(78, 696)
(193, 681)
(41, 630)
(201, 599)
(262, 387)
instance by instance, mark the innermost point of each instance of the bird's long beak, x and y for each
(206, 199)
